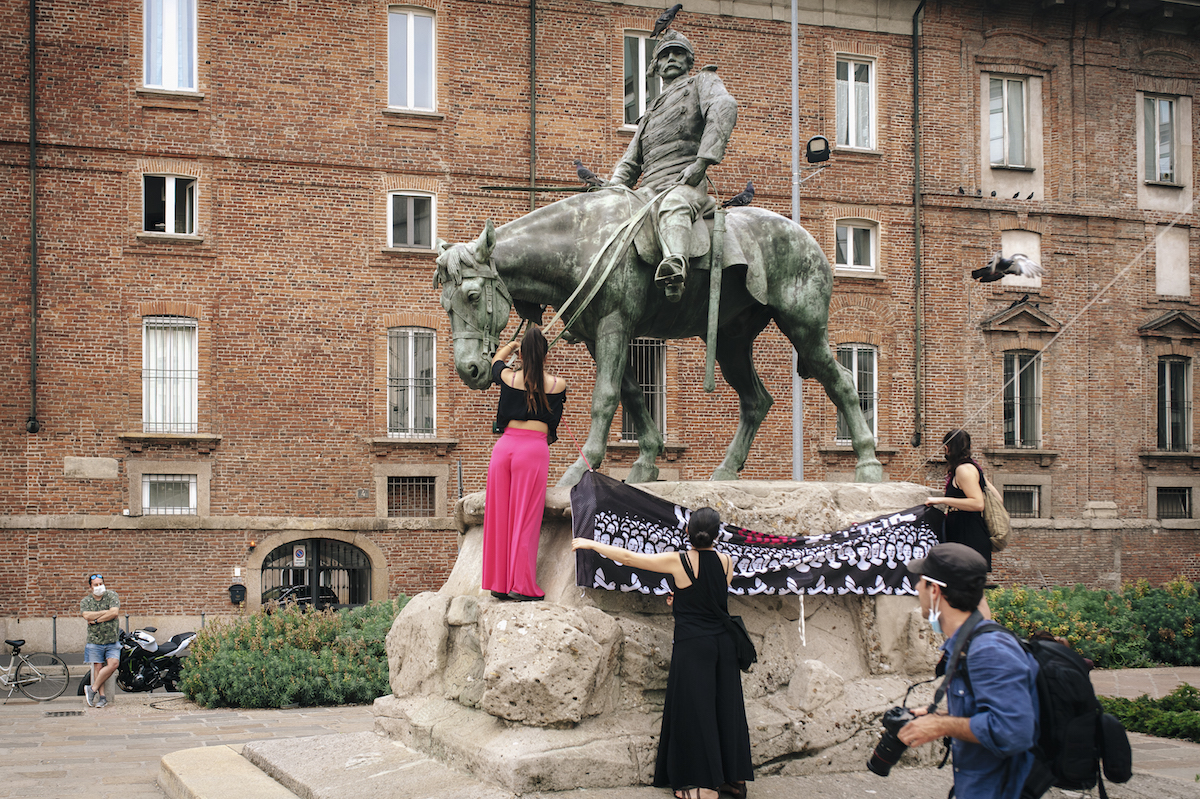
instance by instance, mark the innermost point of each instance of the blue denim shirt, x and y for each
(1002, 704)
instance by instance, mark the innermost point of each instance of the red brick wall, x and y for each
(295, 157)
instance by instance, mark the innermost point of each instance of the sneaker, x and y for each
(89, 695)
(101, 702)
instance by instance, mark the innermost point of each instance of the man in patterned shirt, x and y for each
(100, 609)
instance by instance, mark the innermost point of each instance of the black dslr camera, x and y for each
(889, 749)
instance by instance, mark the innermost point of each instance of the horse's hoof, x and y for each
(724, 474)
(869, 472)
(642, 474)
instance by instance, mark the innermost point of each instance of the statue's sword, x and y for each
(714, 298)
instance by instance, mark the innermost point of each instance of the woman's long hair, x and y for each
(702, 527)
(958, 449)
(533, 368)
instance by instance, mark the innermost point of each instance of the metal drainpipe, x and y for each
(918, 285)
(532, 103)
(32, 425)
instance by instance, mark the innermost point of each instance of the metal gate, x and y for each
(340, 572)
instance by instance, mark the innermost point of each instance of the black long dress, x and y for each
(967, 526)
(705, 741)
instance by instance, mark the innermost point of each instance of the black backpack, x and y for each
(1075, 734)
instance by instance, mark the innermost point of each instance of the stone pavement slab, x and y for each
(1132, 683)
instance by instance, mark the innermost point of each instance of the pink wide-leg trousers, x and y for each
(512, 513)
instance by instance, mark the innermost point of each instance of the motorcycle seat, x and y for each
(167, 648)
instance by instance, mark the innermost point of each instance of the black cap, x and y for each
(953, 565)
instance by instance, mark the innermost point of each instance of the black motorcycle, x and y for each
(146, 664)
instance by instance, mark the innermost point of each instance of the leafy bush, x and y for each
(292, 657)
(1176, 715)
(1136, 627)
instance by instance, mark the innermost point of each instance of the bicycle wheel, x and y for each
(42, 676)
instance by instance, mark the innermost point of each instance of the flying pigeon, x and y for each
(586, 175)
(1000, 267)
(665, 19)
(743, 197)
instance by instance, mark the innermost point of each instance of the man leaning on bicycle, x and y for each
(100, 609)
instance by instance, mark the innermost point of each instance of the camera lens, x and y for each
(886, 754)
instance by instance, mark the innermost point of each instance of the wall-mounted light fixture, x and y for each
(253, 544)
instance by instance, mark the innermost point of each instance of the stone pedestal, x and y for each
(567, 693)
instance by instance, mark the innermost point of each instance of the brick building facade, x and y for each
(251, 197)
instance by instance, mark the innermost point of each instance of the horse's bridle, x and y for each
(493, 290)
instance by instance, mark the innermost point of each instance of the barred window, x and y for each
(411, 496)
(411, 383)
(1023, 501)
(1174, 502)
(860, 359)
(1174, 404)
(648, 359)
(1022, 399)
(168, 494)
(170, 374)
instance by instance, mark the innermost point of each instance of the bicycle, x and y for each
(40, 676)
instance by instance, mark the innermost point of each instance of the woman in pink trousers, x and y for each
(530, 407)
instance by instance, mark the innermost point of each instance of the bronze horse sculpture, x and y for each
(540, 259)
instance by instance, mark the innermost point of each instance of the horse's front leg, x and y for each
(735, 353)
(839, 385)
(650, 439)
(610, 351)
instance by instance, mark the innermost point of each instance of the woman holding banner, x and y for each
(704, 746)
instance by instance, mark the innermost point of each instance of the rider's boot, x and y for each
(672, 271)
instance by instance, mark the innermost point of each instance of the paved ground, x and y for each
(65, 749)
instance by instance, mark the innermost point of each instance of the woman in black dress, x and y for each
(704, 746)
(964, 500)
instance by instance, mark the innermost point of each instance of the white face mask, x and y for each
(935, 617)
(98, 590)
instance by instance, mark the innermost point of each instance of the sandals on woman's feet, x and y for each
(691, 792)
(735, 789)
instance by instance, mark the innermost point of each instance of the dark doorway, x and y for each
(320, 572)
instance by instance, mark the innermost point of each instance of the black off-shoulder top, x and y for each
(512, 407)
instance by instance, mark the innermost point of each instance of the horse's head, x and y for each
(478, 304)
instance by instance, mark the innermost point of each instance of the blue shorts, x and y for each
(101, 653)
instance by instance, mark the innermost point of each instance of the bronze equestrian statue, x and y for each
(614, 276)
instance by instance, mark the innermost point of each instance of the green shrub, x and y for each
(292, 657)
(1176, 715)
(1136, 627)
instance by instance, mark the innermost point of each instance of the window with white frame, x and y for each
(170, 374)
(170, 44)
(169, 204)
(1158, 116)
(1022, 399)
(168, 494)
(411, 382)
(640, 87)
(856, 103)
(855, 246)
(411, 58)
(1007, 129)
(648, 359)
(410, 221)
(861, 361)
(1174, 404)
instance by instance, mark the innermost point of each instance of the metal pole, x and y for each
(532, 104)
(32, 425)
(797, 382)
(54, 634)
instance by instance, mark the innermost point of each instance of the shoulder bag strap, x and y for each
(960, 643)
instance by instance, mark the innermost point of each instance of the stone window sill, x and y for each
(381, 445)
(414, 113)
(997, 457)
(830, 454)
(857, 275)
(870, 153)
(1153, 458)
(622, 449)
(166, 238)
(409, 251)
(1008, 168)
(1163, 184)
(135, 440)
(173, 94)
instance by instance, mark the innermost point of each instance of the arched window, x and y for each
(340, 572)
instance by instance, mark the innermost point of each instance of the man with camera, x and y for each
(992, 708)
